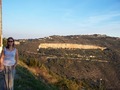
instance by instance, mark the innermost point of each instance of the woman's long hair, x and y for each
(8, 44)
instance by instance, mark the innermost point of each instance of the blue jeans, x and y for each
(9, 77)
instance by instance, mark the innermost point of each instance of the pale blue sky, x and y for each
(41, 18)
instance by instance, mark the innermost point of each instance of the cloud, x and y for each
(104, 24)
(93, 21)
(102, 18)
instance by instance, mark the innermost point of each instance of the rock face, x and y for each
(69, 46)
(1, 73)
(0, 25)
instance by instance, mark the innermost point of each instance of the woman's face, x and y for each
(10, 42)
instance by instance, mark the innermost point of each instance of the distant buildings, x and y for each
(17, 42)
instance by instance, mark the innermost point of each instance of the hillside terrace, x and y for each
(69, 46)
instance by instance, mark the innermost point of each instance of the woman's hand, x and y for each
(13, 66)
(1, 68)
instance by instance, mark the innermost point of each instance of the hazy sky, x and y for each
(40, 18)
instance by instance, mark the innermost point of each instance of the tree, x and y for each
(4, 42)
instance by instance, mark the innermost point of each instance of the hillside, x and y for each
(25, 79)
(79, 68)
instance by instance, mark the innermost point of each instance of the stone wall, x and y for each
(69, 46)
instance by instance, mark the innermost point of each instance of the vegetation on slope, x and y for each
(26, 80)
(89, 69)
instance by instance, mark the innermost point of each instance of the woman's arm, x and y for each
(1, 59)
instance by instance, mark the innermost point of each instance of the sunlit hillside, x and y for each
(71, 69)
(26, 79)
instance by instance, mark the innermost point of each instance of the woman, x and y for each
(9, 58)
